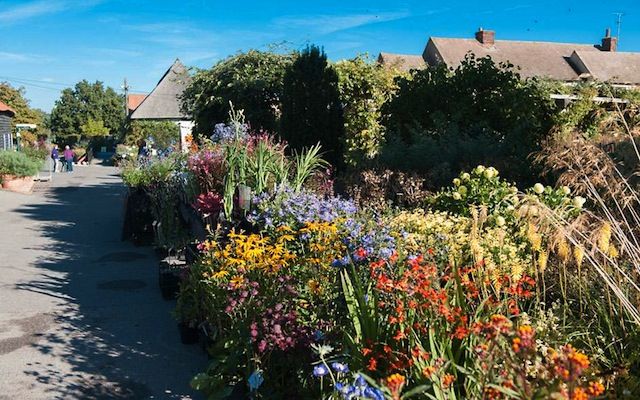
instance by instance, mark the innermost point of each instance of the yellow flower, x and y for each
(220, 274)
(563, 250)
(237, 281)
(314, 287)
(543, 257)
(578, 255)
(604, 237)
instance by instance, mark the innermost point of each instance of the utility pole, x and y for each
(125, 88)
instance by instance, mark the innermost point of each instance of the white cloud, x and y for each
(324, 24)
(38, 8)
(22, 57)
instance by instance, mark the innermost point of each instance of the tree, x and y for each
(311, 108)
(480, 113)
(94, 128)
(163, 134)
(252, 81)
(86, 101)
(364, 88)
(15, 98)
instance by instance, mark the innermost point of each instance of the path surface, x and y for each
(81, 316)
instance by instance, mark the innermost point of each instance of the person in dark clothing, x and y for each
(68, 158)
(143, 150)
(55, 157)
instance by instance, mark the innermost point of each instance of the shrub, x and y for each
(478, 100)
(364, 87)
(162, 134)
(252, 81)
(17, 164)
(311, 107)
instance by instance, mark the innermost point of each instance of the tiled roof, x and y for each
(164, 101)
(615, 67)
(539, 59)
(404, 62)
(134, 100)
(6, 108)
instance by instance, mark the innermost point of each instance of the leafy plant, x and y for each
(17, 164)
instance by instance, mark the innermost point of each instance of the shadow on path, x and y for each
(113, 335)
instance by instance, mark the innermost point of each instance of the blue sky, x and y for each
(46, 45)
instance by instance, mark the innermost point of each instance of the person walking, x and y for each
(68, 158)
(143, 150)
(55, 157)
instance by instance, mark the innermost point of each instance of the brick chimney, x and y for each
(487, 38)
(609, 43)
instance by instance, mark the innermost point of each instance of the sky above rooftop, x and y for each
(47, 45)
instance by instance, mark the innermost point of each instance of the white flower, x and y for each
(578, 202)
(566, 190)
(456, 196)
(538, 188)
(479, 169)
(462, 190)
(500, 221)
(466, 176)
(456, 182)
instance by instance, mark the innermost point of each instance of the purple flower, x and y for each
(340, 367)
(320, 370)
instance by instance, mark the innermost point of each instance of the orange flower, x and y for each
(373, 364)
(579, 394)
(399, 335)
(595, 389)
(447, 380)
(429, 371)
(395, 383)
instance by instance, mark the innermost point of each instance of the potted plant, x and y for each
(169, 272)
(17, 171)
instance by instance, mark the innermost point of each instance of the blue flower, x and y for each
(340, 367)
(320, 370)
(361, 382)
(255, 380)
(373, 393)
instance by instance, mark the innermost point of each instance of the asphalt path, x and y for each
(81, 316)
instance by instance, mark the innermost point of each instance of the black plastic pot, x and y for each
(169, 285)
(169, 273)
(188, 334)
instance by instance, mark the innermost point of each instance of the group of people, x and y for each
(67, 161)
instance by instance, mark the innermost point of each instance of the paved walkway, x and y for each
(81, 316)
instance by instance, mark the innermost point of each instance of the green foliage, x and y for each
(364, 88)
(478, 100)
(86, 101)
(252, 81)
(480, 187)
(15, 98)
(36, 153)
(17, 164)
(163, 134)
(311, 107)
(94, 128)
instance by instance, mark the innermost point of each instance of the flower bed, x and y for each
(303, 295)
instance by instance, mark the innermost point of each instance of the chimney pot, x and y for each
(487, 38)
